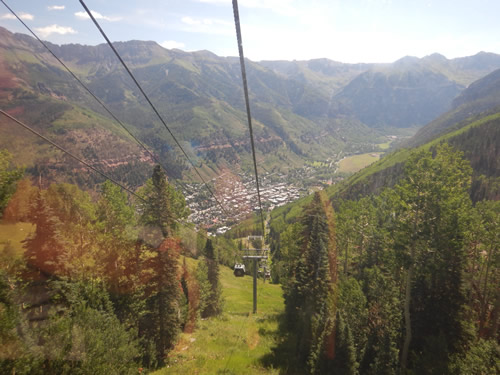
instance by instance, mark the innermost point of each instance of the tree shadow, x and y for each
(283, 354)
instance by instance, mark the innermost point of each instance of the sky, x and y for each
(349, 31)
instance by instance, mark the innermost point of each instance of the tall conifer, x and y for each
(44, 249)
(162, 207)
(214, 302)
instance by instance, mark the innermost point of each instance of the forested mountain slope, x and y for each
(482, 96)
(409, 283)
(302, 110)
(401, 281)
(198, 94)
(473, 127)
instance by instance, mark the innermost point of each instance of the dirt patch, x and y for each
(253, 338)
(16, 111)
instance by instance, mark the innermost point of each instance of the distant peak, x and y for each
(436, 57)
(407, 60)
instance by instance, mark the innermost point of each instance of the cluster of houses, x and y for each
(238, 195)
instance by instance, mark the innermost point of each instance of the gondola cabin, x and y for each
(239, 270)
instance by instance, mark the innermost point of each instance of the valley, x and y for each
(238, 195)
(304, 111)
(380, 186)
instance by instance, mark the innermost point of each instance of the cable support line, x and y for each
(70, 154)
(150, 103)
(182, 223)
(247, 102)
(179, 183)
(86, 87)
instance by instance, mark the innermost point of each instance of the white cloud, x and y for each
(56, 7)
(26, 16)
(22, 15)
(205, 21)
(54, 29)
(190, 21)
(283, 7)
(207, 26)
(170, 44)
(98, 16)
(8, 16)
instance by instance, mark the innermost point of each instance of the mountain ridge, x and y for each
(297, 115)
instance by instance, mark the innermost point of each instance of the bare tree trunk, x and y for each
(495, 316)
(484, 297)
(162, 346)
(406, 345)
(407, 315)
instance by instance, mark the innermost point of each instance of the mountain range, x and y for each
(302, 110)
(472, 126)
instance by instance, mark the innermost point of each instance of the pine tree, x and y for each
(432, 217)
(214, 302)
(205, 289)
(162, 208)
(344, 362)
(309, 299)
(45, 248)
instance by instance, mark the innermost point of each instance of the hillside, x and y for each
(198, 94)
(482, 96)
(399, 98)
(303, 111)
(478, 140)
(473, 127)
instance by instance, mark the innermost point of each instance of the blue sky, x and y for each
(342, 30)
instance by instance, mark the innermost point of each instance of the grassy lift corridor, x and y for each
(236, 341)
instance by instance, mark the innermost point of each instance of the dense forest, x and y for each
(99, 287)
(405, 281)
(402, 282)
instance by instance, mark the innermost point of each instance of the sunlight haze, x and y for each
(346, 31)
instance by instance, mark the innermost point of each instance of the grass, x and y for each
(14, 234)
(385, 146)
(355, 163)
(402, 154)
(235, 342)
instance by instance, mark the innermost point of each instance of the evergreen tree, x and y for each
(432, 216)
(214, 302)
(162, 208)
(45, 247)
(205, 289)
(352, 303)
(381, 355)
(344, 362)
(310, 297)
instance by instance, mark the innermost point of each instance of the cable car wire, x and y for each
(87, 89)
(69, 153)
(30, 129)
(150, 103)
(247, 102)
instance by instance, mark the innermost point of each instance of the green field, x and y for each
(235, 342)
(385, 146)
(355, 163)
(14, 234)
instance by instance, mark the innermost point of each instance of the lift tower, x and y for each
(256, 255)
